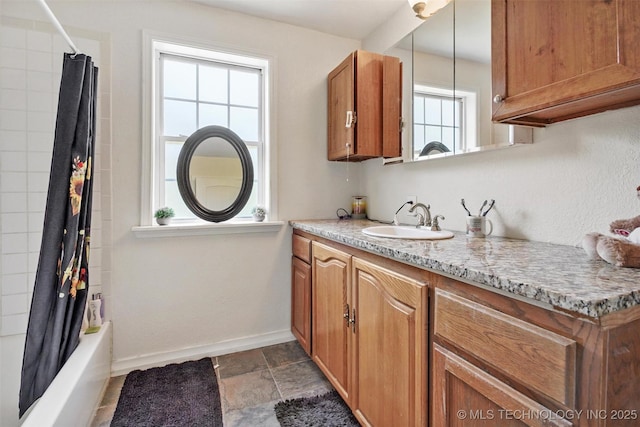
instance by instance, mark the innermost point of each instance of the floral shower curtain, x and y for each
(62, 277)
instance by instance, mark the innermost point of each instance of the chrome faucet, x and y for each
(422, 219)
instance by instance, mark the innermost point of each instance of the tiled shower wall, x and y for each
(31, 54)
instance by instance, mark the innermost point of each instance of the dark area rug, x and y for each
(183, 394)
(327, 410)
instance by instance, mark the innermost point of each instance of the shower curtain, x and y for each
(62, 277)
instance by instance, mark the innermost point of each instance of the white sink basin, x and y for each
(406, 232)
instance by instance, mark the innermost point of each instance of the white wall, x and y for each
(171, 296)
(577, 177)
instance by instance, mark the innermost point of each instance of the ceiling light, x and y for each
(425, 9)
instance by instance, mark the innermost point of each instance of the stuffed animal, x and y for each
(623, 250)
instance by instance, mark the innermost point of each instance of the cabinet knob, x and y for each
(497, 99)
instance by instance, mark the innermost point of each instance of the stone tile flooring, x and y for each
(251, 383)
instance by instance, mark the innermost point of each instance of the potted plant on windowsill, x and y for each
(258, 213)
(163, 215)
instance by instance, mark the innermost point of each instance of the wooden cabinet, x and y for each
(556, 60)
(301, 291)
(499, 361)
(541, 359)
(390, 347)
(465, 395)
(331, 309)
(370, 338)
(358, 114)
(484, 358)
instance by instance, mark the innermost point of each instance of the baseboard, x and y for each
(124, 366)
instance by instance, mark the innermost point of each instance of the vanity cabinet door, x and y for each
(301, 302)
(556, 60)
(465, 395)
(390, 379)
(330, 327)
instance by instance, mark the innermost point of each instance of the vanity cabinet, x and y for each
(358, 114)
(541, 360)
(407, 346)
(369, 337)
(500, 361)
(301, 291)
(557, 60)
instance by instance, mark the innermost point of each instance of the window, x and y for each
(195, 87)
(436, 119)
(443, 120)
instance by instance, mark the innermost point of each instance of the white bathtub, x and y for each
(76, 391)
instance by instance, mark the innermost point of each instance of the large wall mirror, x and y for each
(215, 173)
(447, 107)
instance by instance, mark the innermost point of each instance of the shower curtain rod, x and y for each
(56, 24)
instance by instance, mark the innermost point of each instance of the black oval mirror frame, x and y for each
(184, 183)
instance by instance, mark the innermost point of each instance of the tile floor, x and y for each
(251, 383)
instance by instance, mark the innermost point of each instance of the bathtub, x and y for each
(75, 393)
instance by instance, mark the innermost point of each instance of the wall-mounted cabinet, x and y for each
(557, 60)
(362, 122)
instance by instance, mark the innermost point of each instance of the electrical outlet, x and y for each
(413, 199)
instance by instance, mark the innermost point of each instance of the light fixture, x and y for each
(425, 9)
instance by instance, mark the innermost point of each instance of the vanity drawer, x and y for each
(540, 359)
(301, 247)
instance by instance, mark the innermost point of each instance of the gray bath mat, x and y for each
(327, 410)
(184, 394)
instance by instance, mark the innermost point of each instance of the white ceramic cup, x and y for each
(477, 226)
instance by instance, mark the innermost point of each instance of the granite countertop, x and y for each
(558, 275)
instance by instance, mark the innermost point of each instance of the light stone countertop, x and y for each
(557, 275)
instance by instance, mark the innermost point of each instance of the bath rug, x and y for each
(326, 410)
(182, 394)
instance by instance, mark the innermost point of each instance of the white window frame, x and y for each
(468, 113)
(153, 44)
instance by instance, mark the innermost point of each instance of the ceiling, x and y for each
(472, 35)
(357, 19)
(354, 19)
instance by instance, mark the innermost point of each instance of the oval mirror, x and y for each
(215, 173)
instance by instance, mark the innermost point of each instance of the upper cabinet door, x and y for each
(556, 60)
(341, 110)
(355, 108)
(391, 107)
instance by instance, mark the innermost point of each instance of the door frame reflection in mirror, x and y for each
(184, 177)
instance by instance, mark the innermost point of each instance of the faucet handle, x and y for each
(434, 223)
(420, 219)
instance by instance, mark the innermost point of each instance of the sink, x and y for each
(406, 232)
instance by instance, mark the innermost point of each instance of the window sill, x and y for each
(203, 229)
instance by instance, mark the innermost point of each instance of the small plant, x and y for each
(259, 211)
(165, 212)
